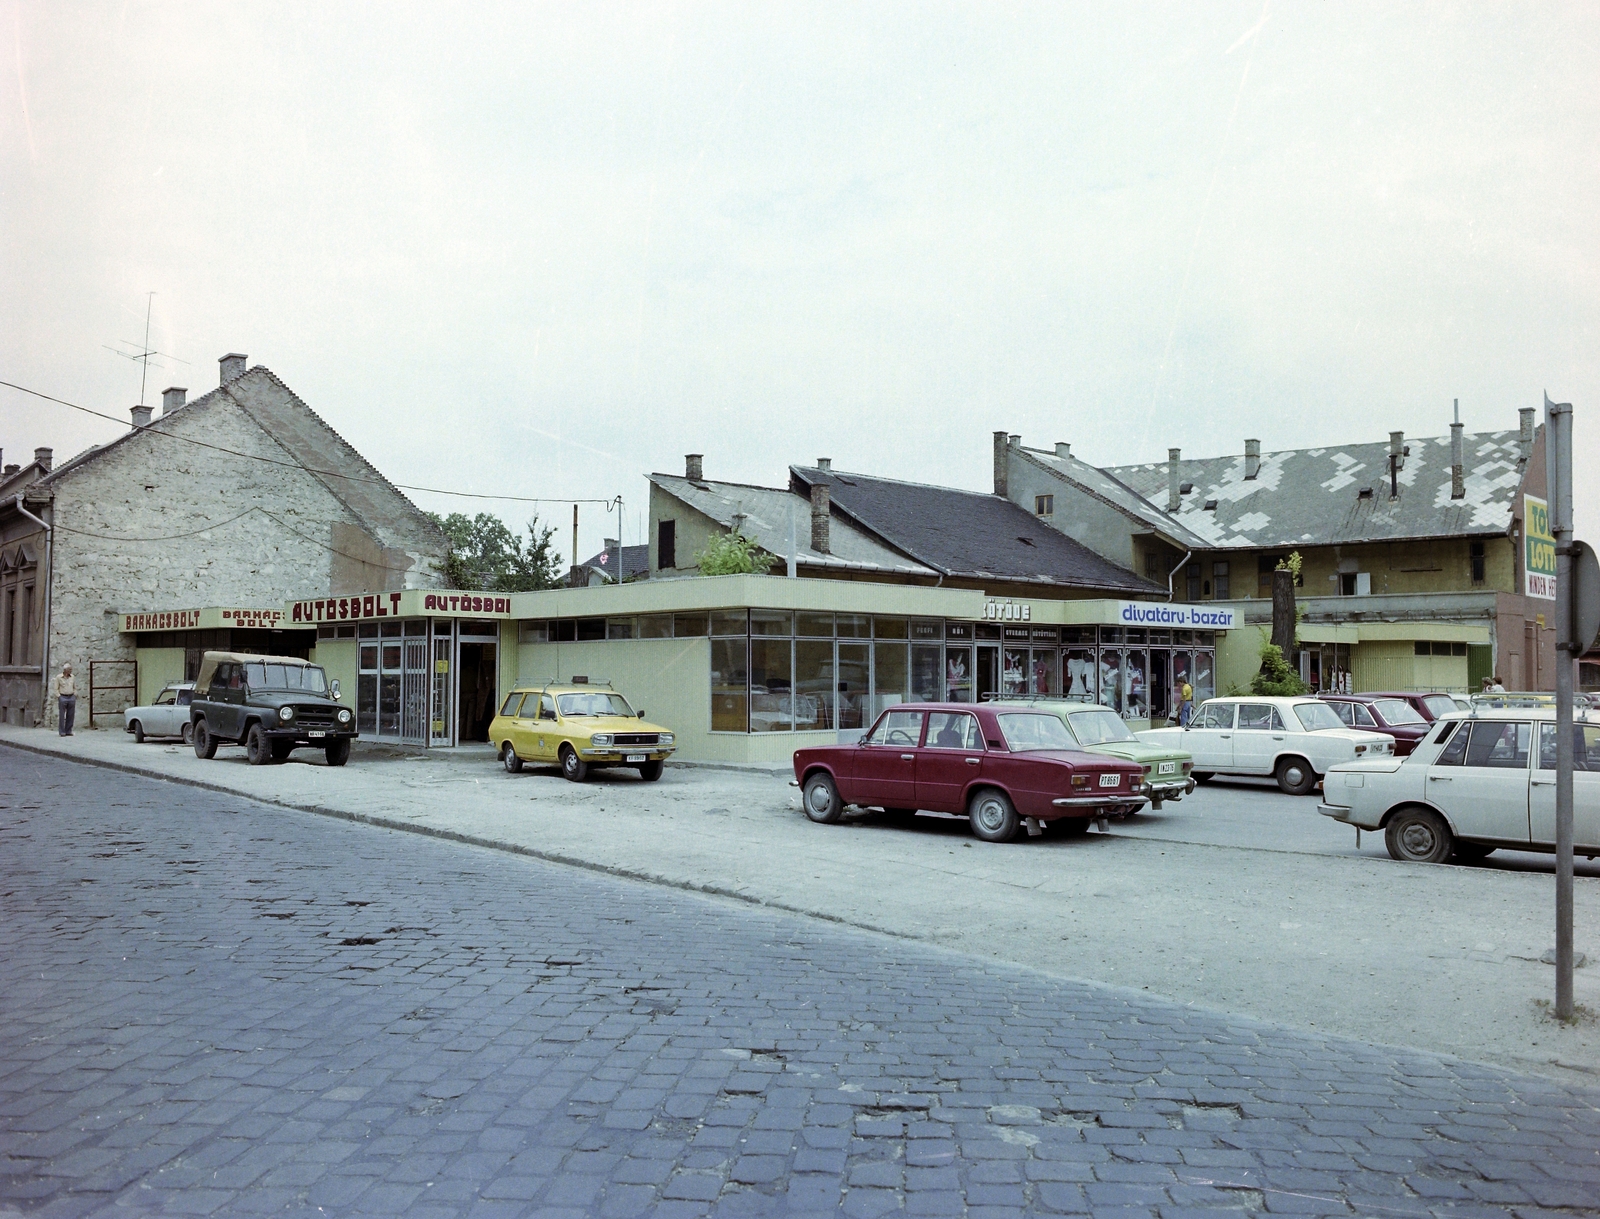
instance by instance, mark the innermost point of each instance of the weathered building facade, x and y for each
(243, 497)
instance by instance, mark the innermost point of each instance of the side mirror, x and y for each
(334, 687)
(641, 714)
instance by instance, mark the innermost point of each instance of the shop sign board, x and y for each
(1538, 550)
(208, 618)
(995, 610)
(1179, 617)
(411, 603)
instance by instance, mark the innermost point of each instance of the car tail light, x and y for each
(1080, 780)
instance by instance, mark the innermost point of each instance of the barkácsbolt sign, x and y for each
(209, 618)
(411, 603)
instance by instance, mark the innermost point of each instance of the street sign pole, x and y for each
(1558, 476)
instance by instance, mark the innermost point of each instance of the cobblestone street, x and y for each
(208, 1006)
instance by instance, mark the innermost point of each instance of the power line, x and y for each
(295, 465)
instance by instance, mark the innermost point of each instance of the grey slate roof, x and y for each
(1114, 491)
(767, 511)
(970, 534)
(1311, 496)
(629, 561)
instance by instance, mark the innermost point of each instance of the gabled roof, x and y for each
(1104, 486)
(768, 512)
(1305, 497)
(629, 561)
(969, 534)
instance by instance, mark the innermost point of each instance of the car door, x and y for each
(159, 717)
(545, 739)
(1210, 737)
(950, 758)
(886, 762)
(1480, 780)
(510, 728)
(1585, 788)
(1257, 738)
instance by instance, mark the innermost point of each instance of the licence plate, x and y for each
(1166, 768)
(1110, 780)
(636, 757)
(315, 735)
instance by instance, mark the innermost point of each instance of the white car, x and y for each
(167, 716)
(1294, 740)
(1475, 783)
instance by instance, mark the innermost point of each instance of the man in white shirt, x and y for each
(66, 701)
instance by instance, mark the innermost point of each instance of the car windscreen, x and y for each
(309, 678)
(1397, 711)
(1440, 704)
(1028, 732)
(1099, 727)
(1314, 717)
(593, 704)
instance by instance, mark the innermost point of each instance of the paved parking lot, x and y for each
(1239, 899)
(210, 1006)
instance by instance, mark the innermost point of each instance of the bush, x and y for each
(1276, 677)
(732, 554)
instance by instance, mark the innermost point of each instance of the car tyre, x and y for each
(205, 745)
(820, 796)
(573, 768)
(337, 751)
(1296, 776)
(1418, 835)
(651, 771)
(257, 748)
(138, 733)
(993, 816)
(509, 759)
(188, 734)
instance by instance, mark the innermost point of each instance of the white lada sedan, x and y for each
(1475, 783)
(1294, 740)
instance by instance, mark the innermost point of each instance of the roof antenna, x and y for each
(145, 353)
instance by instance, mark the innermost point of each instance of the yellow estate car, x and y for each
(578, 727)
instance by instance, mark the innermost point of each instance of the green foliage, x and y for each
(732, 554)
(1291, 564)
(485, 556)
(1276, 677)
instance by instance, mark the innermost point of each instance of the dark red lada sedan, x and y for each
(1391, 713)
(1004, 768)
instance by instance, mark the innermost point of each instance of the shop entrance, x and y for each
(475, 685)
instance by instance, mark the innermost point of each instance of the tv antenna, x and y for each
(145, 352)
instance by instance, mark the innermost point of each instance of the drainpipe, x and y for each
(49, 584)
(1187, 555)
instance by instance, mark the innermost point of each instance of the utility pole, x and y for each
(1558, 482)
(574, 580)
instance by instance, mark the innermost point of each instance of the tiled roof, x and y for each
(631, 559)
(767, 515)
(970, 534)
(1103, 484)
(1312, 496)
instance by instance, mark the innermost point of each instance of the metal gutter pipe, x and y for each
(1181, 562)
(49, 585)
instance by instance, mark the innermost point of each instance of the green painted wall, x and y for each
(157, 667)
(340, 659)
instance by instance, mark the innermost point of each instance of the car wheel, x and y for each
(1202, 776)
(205, 745)
(337, 751)
(138, 733)
(256, 746)
(1295, 776)
(188, 734)
(1418, 835)
(821, 799)
(573, 768)
(1472, 852)
(509, 759)
(993, 816)
(651, 771)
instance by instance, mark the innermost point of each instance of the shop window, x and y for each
(666, 543)
(1079, 682)
(927, 628)
(591, 629)
(958, 632)
(814, 682)
(1044, 505)
(890, 676)
(389, 630)
(771, 622)
(852, 684)
(1077, 634)
(957, 674)
(730, 622)
(927, 673)
(691, 626)
(1046, 676)
(814, 626)
(564, 630)
(1014, 672)
(655, 626)
(771, 685)
(1475, 551)
(888, 628)
(367, 630)
(533, 632)
(442, 626)
(1422, 648)
(728, 685)
(853, 626)
(1458, 649)
(1219, 580)
(620, 628)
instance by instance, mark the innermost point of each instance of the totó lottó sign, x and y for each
(411, 603)
(1538, 550)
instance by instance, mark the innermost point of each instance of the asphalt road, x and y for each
(209, 1006)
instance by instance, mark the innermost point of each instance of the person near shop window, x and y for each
(1185, 704)
(66, 701)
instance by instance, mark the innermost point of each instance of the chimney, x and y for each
(1397, 458)
(739, 518)
(825, 464)
(11, 469)
(1063, 449)
(611, 544)
(1525, 437)
(172, 398)
(1458, 469)
(1001, 480)
(42, 457)
(141, 416)
(1252, 458)
(692, 467)
(819, 518)
(232, 366)
(1174, 495)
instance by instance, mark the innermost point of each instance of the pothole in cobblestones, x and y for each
(1072, 1119)
(1213, 1109)
(359, 941)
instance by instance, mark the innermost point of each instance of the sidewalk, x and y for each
(1439, 958)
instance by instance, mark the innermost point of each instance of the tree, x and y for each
(732, 554)
(485, 556)
(1276, 677)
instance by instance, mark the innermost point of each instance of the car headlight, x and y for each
(666, 738)
(344, 716)
(286, 714)
(602, 740)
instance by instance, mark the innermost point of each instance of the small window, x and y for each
(953, 730)
(666, 543)
(1152, 564)
(1215, 715)
(530, 708)
(1191, 582)
(547, 707)
(533, 632)
(1347, 584)
(1255, 717)
(1455, 751)
(1499, 744)
(655, 626)
(691, 626)
(620, 628)
(509, 707)
(1423, 648)
(897, 728)
(591, 629)
(1219, 579)
(1362, 716)
(1345, 712)
(166, 698)
(1475, 550)
(1044, 505)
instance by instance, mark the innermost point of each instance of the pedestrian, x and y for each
(1185, 704)
(1497, 686)
(66, 701)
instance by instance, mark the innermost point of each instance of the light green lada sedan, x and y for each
(1099, 729)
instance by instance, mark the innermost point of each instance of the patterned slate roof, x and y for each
(1312, 496)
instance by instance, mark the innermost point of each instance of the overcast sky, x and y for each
(546, 249)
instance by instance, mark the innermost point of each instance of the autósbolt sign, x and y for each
(410, 603)
(1178, 617)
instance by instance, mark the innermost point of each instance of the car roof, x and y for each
(604, 688)
(1580, 715)
(1265, 698)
